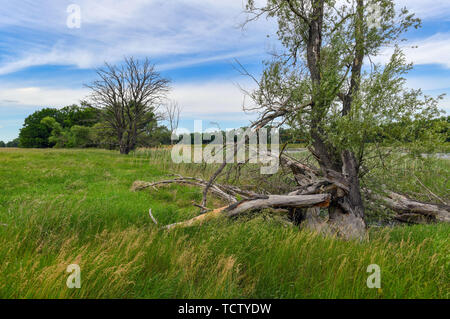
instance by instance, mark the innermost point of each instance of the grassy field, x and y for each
(61, 207)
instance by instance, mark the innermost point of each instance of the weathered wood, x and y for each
(321, 191)
(406, 206)
(272, 201)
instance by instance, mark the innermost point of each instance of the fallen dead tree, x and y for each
(314, 190)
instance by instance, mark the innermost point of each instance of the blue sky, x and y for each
(43, 63)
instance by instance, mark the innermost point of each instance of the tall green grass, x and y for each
(63, 207)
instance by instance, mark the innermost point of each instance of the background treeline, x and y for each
(81, 127)
(13, 143)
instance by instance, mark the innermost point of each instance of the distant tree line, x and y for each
(13, 143)
(122, 112)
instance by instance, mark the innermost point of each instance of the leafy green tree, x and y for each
(444, 128)
(39, 134)
(83, 115)
(2, 144)
(103, 136)
(34, 133)
(58, 136)
(155, 135)
(325, 84)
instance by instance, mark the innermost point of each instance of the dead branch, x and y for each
(413, 211)
(429, 191)
(279, 201)
(199, 219)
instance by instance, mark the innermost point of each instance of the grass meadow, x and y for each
(62, 207)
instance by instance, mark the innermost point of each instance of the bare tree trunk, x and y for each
(124, 150)
(346, 210)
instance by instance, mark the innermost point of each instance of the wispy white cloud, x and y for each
(112, 29)
(195, 61)
(157, 28)
(431, 50)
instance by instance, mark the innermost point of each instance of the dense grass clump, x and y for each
(60, 207)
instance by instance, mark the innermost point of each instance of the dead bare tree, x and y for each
(312, 192)
(128, 96)
(172, 112)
